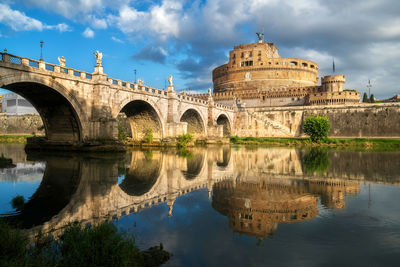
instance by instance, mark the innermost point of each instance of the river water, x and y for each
(235, 206)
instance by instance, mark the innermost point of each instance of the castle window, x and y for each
(312, 66)
(234, 55)
(269, 63)
(304, 64)
(234, 61)
(293, 63)
(251, 54)
(242, 55)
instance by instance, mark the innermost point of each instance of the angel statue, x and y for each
(99, 57)
(62, 61)
(170, 80)
(260, 36)
(209, 92)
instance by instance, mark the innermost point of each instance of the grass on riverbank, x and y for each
(13, 139)
(100, 245)
(351, 143)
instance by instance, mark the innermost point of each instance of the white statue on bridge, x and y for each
(209, 92)
(170, 81)
(140, 82)
(99, 57)
(62, 61)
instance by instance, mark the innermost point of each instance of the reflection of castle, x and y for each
(257, 208)
(257, 76)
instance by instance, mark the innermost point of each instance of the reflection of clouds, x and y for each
(23, 172)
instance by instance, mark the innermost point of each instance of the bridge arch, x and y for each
(195, 122)
(61, 112)
(223, 119)
(142, 116)
(143, 173)
(194, 166)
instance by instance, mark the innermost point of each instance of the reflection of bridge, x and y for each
(77, 107)
(86, 189)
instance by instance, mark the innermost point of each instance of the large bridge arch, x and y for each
(223, 119)
(142, 115)
(61, 112)
(195, 122)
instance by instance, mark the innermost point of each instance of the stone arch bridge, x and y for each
(78, 108)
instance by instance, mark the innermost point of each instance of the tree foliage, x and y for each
(317, 127)
(372, 99)
(365, 98)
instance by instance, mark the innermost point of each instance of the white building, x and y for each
(14, 104)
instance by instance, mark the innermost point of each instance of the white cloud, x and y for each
(88, 33)
(98, 23)
(115, 39)
(62, 27)
(18, 21)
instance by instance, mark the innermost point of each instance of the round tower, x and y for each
(333, 83)
(258, 66)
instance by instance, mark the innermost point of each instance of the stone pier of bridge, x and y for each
(80, 108)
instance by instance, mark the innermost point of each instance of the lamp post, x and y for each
(135, 75)
(41, 50)
(369, 88)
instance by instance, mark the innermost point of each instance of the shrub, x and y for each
(101, 245)
(149, 136)
(184, 139)
(317, 128)
(234, 139)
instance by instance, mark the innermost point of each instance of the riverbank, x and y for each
(77, 246)
(378, 144)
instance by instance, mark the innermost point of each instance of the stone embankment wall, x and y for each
(28, 124)
(361, 120)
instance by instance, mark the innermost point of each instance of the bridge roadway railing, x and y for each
(124, 85)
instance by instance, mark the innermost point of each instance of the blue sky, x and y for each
(189, 38)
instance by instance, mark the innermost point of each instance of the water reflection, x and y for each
(256, 208)
(257, 189)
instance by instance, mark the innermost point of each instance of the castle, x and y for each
(256, 76)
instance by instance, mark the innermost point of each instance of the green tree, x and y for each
(372, 98)
(317, 127)
(365, 98)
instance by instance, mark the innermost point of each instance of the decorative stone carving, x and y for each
(170, 81)
(99, 57)
(62, 61)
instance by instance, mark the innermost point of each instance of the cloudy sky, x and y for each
(189, 38)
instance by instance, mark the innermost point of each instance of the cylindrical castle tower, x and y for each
(258, 66)
(333, 83)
